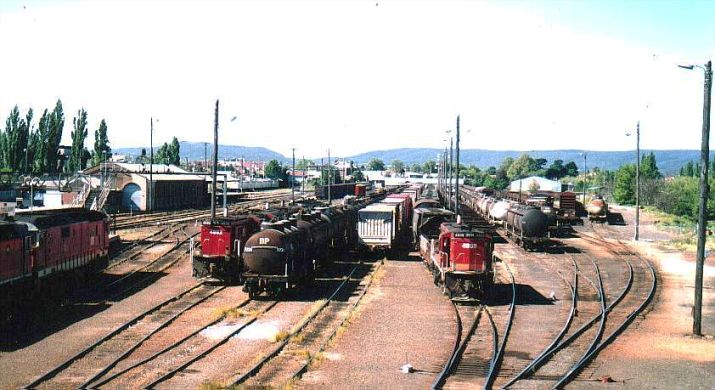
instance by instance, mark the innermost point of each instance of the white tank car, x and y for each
(499, 210)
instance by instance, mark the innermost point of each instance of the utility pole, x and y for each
(206, 158)
(704, 190)
(330, 175)
(444, 172)
(584, 179)
(292, 179)
(451, 173)
(456, 184)
(240, 176)
(150, 190)
(215, 164)
(638, 180)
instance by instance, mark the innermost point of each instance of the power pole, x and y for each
(292, 179)
(206, 158)
(638, 180)
(330, 174)
(150, 190)
(451, 173)
(584, 179)
(702, 214)
(215, 164)
(456, 184)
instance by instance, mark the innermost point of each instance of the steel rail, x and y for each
(166, 349)
(447, 369)
(305, 366)
(146, 266)
(136, 345)
(496, 361)
(599, 333)
(531, 367)
(619, 329)
(254, 370)
(57, 369)
(205, 352)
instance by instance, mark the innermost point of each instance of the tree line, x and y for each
(33, 148)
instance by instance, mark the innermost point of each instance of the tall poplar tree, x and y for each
(79, 134)
(56, 125)
(101, 144)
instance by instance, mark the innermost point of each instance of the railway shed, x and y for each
(173, 188)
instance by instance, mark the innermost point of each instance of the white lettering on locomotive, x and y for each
(263, 240)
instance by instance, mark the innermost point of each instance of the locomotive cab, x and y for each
(222, 241)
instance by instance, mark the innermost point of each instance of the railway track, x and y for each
(155, 361)
(144, 220)
(122, 340)
(470, 365)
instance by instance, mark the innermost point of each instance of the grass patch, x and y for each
(317, 359)
(211, 385)
(298, 339)
(280, 336)
(233, 312)
(300, 352)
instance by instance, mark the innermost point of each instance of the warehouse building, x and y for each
(131, 187)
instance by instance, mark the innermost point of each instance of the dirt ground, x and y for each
(659, 351)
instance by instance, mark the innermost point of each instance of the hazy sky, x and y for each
(364, 75)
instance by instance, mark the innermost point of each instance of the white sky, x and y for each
(359, 75)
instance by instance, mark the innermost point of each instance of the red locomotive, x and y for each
(45, 251)
(222, 242)
(460, 259)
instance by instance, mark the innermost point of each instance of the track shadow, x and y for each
(60, 308)
(500, 295)
(559, 249)
(616, 219)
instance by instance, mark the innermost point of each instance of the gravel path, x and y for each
(403, 319)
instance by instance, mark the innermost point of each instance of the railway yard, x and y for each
(589, 309)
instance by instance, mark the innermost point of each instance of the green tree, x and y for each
(429, 167)
(521, 167)
(571, 169)
(174, 152)
(624, 183)
(79, 134)
(416, 167)
(39, 144)
(274, 170)
(9, 139)
(397, 166)
(375, 164)
(649, 168)
(556, 170)
(54, 136)
(161, 156)
(101, 150)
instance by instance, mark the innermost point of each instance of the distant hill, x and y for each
(195, 151)
(669, 161)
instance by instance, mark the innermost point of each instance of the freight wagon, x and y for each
(379, 226)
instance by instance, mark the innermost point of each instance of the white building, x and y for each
(535, 183)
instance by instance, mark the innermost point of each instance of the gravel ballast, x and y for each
(404, 319)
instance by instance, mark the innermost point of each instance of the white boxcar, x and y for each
(378, 225)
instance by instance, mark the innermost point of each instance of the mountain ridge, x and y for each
(669, 161)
